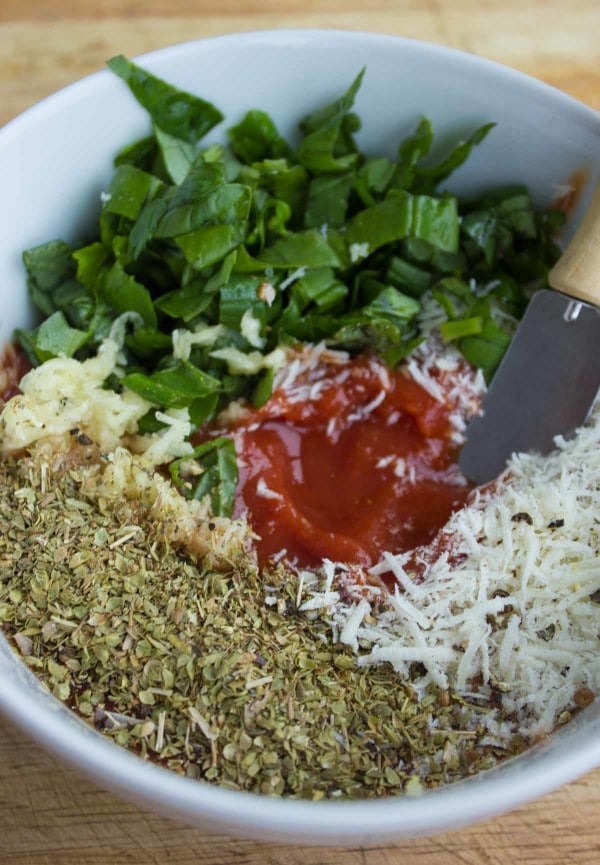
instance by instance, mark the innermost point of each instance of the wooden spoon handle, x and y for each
(577, 272)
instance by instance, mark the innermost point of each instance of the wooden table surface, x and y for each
(50, 816)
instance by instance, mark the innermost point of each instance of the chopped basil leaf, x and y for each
(401, 273)
(175, 387)
(327, 144)
(208, 245)
(129, 189)
(178, 155)
(48, 267)
(218, 478)
(259, 243)
(264, 388)
(410, 152)
(178, 113)
(487, 349)
(401, 215)
(303, 249)
(328, 200)
(55, 338)
(463, 327)
(124, 294)
(429, 178)
(256, 138)
(319, 286)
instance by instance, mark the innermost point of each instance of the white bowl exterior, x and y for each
(54, 162)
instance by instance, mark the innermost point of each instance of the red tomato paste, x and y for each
(355, 460)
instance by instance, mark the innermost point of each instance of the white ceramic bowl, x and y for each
(56, 159)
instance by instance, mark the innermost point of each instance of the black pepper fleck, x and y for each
(522, 517)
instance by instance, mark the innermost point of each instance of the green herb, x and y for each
(55, 337)
(177, 113)
(256, 138)
(218, 676)
(351, 246)
(176, 387)
(218, 478)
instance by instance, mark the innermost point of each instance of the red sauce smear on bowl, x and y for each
(345, 467)
(13, 366)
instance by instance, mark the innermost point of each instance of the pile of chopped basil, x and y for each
(257, 245)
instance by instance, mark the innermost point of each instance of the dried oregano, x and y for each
(215, 675)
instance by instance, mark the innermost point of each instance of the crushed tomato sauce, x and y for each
(359, 461)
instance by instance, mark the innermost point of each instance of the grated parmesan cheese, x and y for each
(441, 370)
(266, 492)
(512, 605)
(400, 468)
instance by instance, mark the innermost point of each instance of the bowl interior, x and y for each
(55, 160)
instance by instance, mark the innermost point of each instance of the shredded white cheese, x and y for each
(440, 369)
(511, 603)
(400, 467)
(266, 492)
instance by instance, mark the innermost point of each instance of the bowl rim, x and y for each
(263, 818)
(53, 101)
(248, 814)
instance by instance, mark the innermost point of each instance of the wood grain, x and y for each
(45, 44)
(576, 272)
(50, 816)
